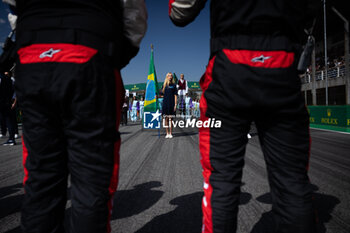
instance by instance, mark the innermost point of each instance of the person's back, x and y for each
(252, 77)
(100, 20)
(283, 17)
(232, 21)
(112, 21)
(102, 17)
(71, 94)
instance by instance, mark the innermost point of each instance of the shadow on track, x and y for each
(131, 202)
(186, 217)
(15, 230)
(185, 134)
(8, 190)
(244, 198)
(12, 204)
(138, 123)
(324, 206)
(125, 132)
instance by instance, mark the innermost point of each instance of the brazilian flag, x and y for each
(151, 103)
(175, 78)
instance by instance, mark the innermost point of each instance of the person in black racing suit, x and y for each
(252, 76)
(70, 91)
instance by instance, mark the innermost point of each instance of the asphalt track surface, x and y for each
(160, 187)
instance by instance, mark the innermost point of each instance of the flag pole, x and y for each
(152, 49)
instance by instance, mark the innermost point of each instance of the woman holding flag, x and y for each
(169, 91)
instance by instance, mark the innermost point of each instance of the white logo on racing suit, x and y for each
(49, 53)
(205, 202)
(261, 59)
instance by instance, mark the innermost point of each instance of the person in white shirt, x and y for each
(188, 102)
(182, 91)
(141, 102)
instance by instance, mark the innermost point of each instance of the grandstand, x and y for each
(314, 84)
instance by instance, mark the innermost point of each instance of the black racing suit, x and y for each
(252, 76)
(70, 91)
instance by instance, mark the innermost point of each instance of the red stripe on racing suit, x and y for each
(119, 87)
(204, 147)
(72, 53)
(264, 59)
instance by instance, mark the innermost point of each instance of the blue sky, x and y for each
(5, 28)
(180, 50)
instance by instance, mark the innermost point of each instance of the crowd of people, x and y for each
(333, 62)
(132, 109)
